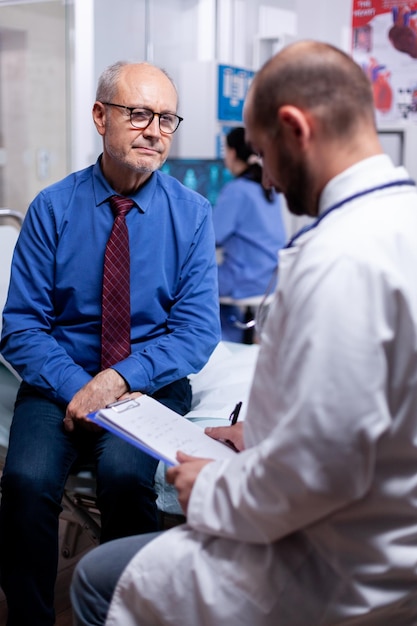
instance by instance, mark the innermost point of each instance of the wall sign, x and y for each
(233, 84)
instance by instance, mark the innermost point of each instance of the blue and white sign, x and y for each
(233, 86)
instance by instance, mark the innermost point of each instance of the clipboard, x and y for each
(159, 431)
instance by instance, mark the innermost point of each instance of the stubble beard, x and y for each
(299, 183)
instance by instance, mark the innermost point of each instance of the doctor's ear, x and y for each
(296, 122)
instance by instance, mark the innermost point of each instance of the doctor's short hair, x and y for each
(314, 76)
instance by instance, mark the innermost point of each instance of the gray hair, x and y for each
(107, 83)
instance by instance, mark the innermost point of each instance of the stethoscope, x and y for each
(396, 183)
(262, 309)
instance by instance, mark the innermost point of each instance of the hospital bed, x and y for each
(224, 381)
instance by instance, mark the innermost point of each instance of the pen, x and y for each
(235, 413)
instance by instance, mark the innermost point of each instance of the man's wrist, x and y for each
(119, 383)
(111, 383)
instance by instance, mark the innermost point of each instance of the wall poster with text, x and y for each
(384, 44)
(233, 85)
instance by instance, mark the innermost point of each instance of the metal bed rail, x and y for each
(13, 215)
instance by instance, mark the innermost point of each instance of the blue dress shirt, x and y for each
(52, 318)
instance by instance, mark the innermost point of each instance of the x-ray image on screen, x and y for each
(207, 176)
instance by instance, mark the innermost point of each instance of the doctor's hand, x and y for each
(184, 475)
(231, 434)
(107, 387)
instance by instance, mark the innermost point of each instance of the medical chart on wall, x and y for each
(384, 44)
(232, 86)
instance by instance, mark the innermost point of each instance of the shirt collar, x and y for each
(103, 190)
(369, 172)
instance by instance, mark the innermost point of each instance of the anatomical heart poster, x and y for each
(384, 44)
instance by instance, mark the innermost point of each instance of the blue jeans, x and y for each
(40, 457)
(96, 576)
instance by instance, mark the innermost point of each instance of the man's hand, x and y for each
(230, 434)
(184, 475)
(107, 387)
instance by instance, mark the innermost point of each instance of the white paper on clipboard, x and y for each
(159, 431)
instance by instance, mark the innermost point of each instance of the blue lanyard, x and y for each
(365, 192)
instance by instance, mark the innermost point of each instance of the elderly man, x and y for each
(314, 522)
(113, 290)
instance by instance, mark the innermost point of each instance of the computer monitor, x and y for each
(207, 176)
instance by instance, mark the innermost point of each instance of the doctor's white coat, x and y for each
(315, 523)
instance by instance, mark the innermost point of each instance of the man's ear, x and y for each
(296, 123)
(99, 117)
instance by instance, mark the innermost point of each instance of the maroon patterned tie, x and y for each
(115, 321)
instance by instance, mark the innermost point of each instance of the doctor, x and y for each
(314, 522)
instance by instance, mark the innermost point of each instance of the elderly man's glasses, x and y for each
(142, 118)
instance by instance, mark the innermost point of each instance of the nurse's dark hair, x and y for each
(235, 139)
(107, 82)
(317, 77)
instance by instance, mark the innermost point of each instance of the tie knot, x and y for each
(121, 206)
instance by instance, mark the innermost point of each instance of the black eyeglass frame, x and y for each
(131, 109)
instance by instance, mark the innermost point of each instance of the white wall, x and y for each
(325, 20)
